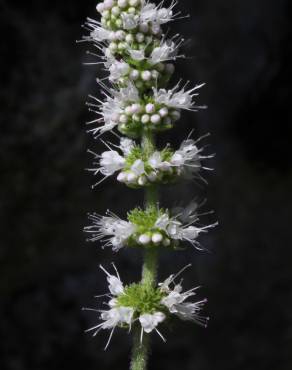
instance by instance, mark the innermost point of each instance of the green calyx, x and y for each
(145, 219)
(142, 298)
(138, 153)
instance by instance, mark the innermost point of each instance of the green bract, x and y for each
(145, 219)
(142, 298)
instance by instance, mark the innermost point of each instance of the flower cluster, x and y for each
(147, 306)
(129, 37)
(131, 114)
(151, 227)
(138, 169)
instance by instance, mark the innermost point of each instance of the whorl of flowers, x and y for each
(136, 168)
(148, 306)
(151, 227)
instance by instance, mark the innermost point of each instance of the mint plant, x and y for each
(138, 104)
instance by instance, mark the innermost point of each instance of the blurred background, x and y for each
(242, 49)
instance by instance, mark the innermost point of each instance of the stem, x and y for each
(149, 271)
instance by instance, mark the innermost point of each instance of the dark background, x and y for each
(242, 49)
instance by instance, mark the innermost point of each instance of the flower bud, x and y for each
(134, 74)
(146, 75)
(134, 2)
(145, 118)
(140, 37)
(155, 119)
(131, 10)
(128, 110)
(113, 46)
(123, 118)
(119, 23)
(122, 176)
(163, 112)
(136, 117)
(136, 108)
(116, 11)
(152, 176)
(131, 177)
(144, 239)
(150, 108)
(122, 3)
(142, 180)
(100, 7)
(120, 35)
(157, 238)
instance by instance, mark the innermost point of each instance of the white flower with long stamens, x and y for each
(188, 158)
(149, 322)
(157, 163)
(138, 55)
(111, 109)
(130, 21)
(116, 315)
(184, 229)
(178, 98)
(114, 231)
(111, 162)
(126, 145)
(108, 111)
(157, 14)
(97, 32)
(175, 301)
(166, 51)
(118, 69)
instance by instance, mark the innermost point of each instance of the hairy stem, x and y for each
(149, 271)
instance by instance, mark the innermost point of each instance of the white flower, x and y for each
(127, 94)
(188, 158)
(181, 226)
(115, 285)
(130, 21)
(166, 51)
(113, 230)
(138, 167)
(162, 222)
(97, 32)
(116, 315)
(126, 145)
(150, 321)
(118, 69)
(111, 162)
(137, 54)
(178, 98)
(156, 14)
(110, 110)
(156, 162)
(175, 301)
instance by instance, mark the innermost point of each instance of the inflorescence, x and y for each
(149, 306)
(139, 61)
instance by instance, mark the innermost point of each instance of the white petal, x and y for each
(149, 322)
